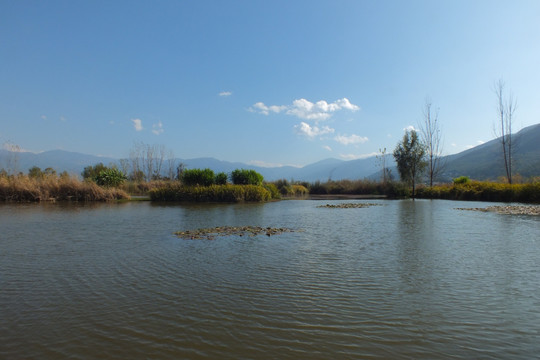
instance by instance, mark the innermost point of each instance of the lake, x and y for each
(402, 280)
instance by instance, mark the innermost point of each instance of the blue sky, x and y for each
(260, 82)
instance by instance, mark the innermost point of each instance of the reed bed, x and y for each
(212, 193)
(22, 188)
(483, 191)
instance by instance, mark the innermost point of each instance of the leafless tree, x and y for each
(381, 157)
(171, 162)
(506, 107)
(148, 160)
(430, 130)
(12, 157)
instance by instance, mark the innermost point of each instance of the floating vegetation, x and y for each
(348, 205)
(212, 233)
(509, 210)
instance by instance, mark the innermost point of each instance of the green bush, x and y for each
(246, 177)
(462, 180)
(110, 177)
(221, 178)
(90, 172)
(194, 177)
(273, 190)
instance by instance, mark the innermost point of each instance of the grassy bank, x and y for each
(483, 191)
(212, 193)
(391, 189)
(22, 188)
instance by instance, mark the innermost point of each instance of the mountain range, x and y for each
(483, 162)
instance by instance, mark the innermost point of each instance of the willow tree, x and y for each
(410, 156)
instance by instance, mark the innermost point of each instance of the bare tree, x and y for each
(381, 157)
(430, 130)
(506, 107)
(171, 161)
(12, 157)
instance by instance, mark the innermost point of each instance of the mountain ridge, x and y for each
(483, 162)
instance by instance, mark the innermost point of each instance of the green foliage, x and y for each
(221, 178)
(212, 193)
(246, 177)
(273, 190)
(90, 172)
(484, 191)
(410, 158)
(35, 173)
(194, 177)
(110, 177)
(461, 180)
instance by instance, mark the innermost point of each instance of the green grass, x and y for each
(483, 191)
(213, 193)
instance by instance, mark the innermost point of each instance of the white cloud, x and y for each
(137, 124)
(265, 110)
(43, 117)
(63, 119)
(225, 93)
(357, 156)
(353, 139)
(312, 131)
(326, 147)
(157, 128)
(304, 109)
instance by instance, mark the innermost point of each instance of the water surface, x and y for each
(404, 280)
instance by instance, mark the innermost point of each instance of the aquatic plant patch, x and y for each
(212, 233)
(348, 205)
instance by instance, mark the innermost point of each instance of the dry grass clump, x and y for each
(22, 188)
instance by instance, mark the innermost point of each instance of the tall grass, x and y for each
(212, 193)
(22, 188)
(359, 187)
(483, 191)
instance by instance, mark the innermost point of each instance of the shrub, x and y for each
(246, 177)
(194, 177)
(299, 190)
(273, 190)
(221, 178)
(90, 172)
(110, 177)
(462, 180)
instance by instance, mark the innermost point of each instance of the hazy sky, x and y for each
(261, 82)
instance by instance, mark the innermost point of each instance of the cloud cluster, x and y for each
(313, 113)
(312, 131)
(304, 109)
(225, 93)
(353, 139)
(137, 124)
(157, 128)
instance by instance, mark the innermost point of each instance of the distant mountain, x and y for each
(481, 163)
(59, 160)
(486, 161)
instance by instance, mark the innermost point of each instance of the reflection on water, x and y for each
(409, 279)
